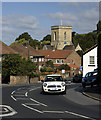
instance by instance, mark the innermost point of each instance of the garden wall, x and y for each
(23, 80)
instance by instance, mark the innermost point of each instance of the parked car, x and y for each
(77, 78)
(54, 84)
(90, 79)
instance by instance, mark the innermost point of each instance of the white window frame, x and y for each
(62, 61)
(57, 61)
(40, 59)
(35, 59)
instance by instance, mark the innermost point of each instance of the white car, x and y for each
(53, 84)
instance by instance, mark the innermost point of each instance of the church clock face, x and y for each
(65, 42)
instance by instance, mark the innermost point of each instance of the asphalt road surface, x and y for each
(28, 102)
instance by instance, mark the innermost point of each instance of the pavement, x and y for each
(93, 92)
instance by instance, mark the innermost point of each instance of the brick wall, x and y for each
(22, 80)
(75, 57)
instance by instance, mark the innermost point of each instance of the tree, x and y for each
(46, 39)
(64, 67)
(49, 64)
(86, 41)
(24, 35)
(13, 64)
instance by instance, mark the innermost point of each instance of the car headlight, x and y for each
(44, 84)
(63, 84)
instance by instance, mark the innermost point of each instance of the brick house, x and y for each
(33, 54)
(59, 57)
(4, 50)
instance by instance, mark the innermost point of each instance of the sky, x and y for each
(36, 18)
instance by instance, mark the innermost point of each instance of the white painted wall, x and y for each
(86, 67)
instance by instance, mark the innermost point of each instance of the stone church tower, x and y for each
(61, 36)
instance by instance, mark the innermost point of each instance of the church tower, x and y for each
(61, 36)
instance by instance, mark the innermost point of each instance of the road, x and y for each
(28, 102)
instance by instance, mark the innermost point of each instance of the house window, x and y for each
(54, 36)
(73, 61)
(35, 59)
(57, 61)
(65, 35)
(91, 60)
(42, 59)
(62, 61)
(39, 59)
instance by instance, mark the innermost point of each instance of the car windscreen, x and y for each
(53, 78)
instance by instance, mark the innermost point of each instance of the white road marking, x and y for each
(31, 104)
(72, 113)
(54, 112)
(22, 98)
(26, 94)
(32, 108)
(13, 98)
(12, 111)
(4, 110)
(13, 92)
(38, 102)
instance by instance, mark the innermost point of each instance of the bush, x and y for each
(64, 67)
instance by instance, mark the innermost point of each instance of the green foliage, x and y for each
(43, 69)
(49, 64)
(33, 43)
(64, 67)
(47, 38)
(21, 42)
(85, 40)
(24, 35)
(14, 64)
(46, 42)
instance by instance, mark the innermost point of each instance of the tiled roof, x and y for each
(72, 65)
(6, 49)
(52, 54)
(23, 50)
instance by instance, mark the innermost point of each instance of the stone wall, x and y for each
(22, 80)
(34, 80)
